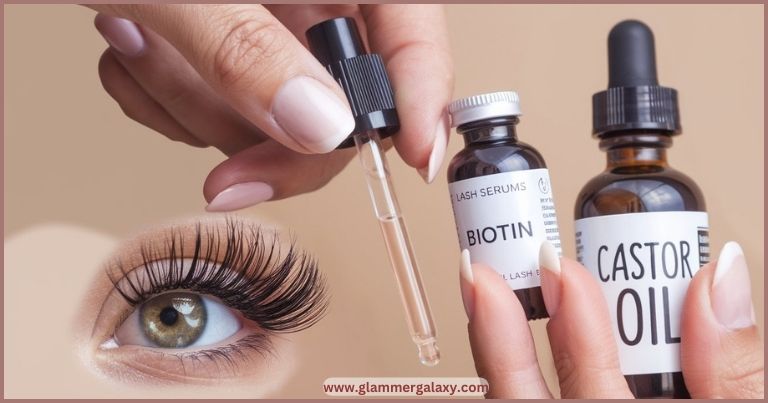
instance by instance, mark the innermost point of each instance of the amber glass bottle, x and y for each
(501, 195)
(641, 226)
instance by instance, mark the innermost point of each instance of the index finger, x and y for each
(413, 41)
(253, 62)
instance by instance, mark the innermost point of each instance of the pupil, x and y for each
(169, 316)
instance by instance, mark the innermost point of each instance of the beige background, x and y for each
(71, 157)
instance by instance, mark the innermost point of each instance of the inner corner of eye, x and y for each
(177, 320)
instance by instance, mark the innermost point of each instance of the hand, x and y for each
(239, 78)
(721, 350)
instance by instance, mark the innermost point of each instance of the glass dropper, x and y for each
(401, 256)
(337, 44)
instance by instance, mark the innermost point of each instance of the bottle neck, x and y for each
(501, 129)
(633, 149)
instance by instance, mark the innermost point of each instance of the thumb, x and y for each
(721, 350)
(259, 67)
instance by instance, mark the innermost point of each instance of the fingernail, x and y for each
(467, 283)
(438, 151)
(731, 292)
(240, 196)
(312, 115)
(549, 260)
(122, 35)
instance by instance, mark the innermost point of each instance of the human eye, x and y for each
(203, 302)
(178, 319)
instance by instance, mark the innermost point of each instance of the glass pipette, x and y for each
(401, 256)
(337, 44)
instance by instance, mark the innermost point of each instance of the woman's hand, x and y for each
(721, 350)
(239, 78)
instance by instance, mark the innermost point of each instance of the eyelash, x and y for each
(229, 353)
(280, 293)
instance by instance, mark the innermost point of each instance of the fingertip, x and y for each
(312, 116)
(413, 42)
(581, 337)
(122, 35)
(494, 300)
(424, 123)
(730, 252)
(287, 172)
(501, 341)
(579, 278)
(437, 154)
(718, 335)
(581, 297)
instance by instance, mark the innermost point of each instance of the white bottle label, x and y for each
(503, 218)
(644, 263)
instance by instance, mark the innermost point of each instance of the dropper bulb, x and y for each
(631, 55)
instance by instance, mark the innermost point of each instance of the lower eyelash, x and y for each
(228, 357)
(280, 292)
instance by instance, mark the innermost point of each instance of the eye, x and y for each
(204, 301)
(178, 319)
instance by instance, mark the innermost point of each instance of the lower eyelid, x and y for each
(201, 366)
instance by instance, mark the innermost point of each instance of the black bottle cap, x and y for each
(337, 45)
(634, 99)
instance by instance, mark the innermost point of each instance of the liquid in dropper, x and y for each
(337, 44)
(401, 256)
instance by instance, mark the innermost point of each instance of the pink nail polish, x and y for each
(122, 35)
(731, 292)
(312, 115)
(240, 196)
(438, 151)
(549, 261)
(467, 283)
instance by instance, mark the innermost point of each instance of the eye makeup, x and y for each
(205, 302)
(278, 292)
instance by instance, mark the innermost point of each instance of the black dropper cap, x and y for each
(634, 99)
(337, 45)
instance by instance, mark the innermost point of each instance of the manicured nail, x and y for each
(731, 292)
(467, 283)
(312, 115)
(240, 196)
(122, 35)
(549, 260)
(438, 151)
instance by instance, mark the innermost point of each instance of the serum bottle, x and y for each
(641, 226)
(501, 195)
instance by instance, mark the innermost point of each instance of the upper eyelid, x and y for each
(150, 250)
(294, 289)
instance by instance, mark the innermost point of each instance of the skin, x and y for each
(252, 153)
(179, 87)
(716, 362)
(88, 310)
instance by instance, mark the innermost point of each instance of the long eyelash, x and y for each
(280, 292)
(227, 357)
